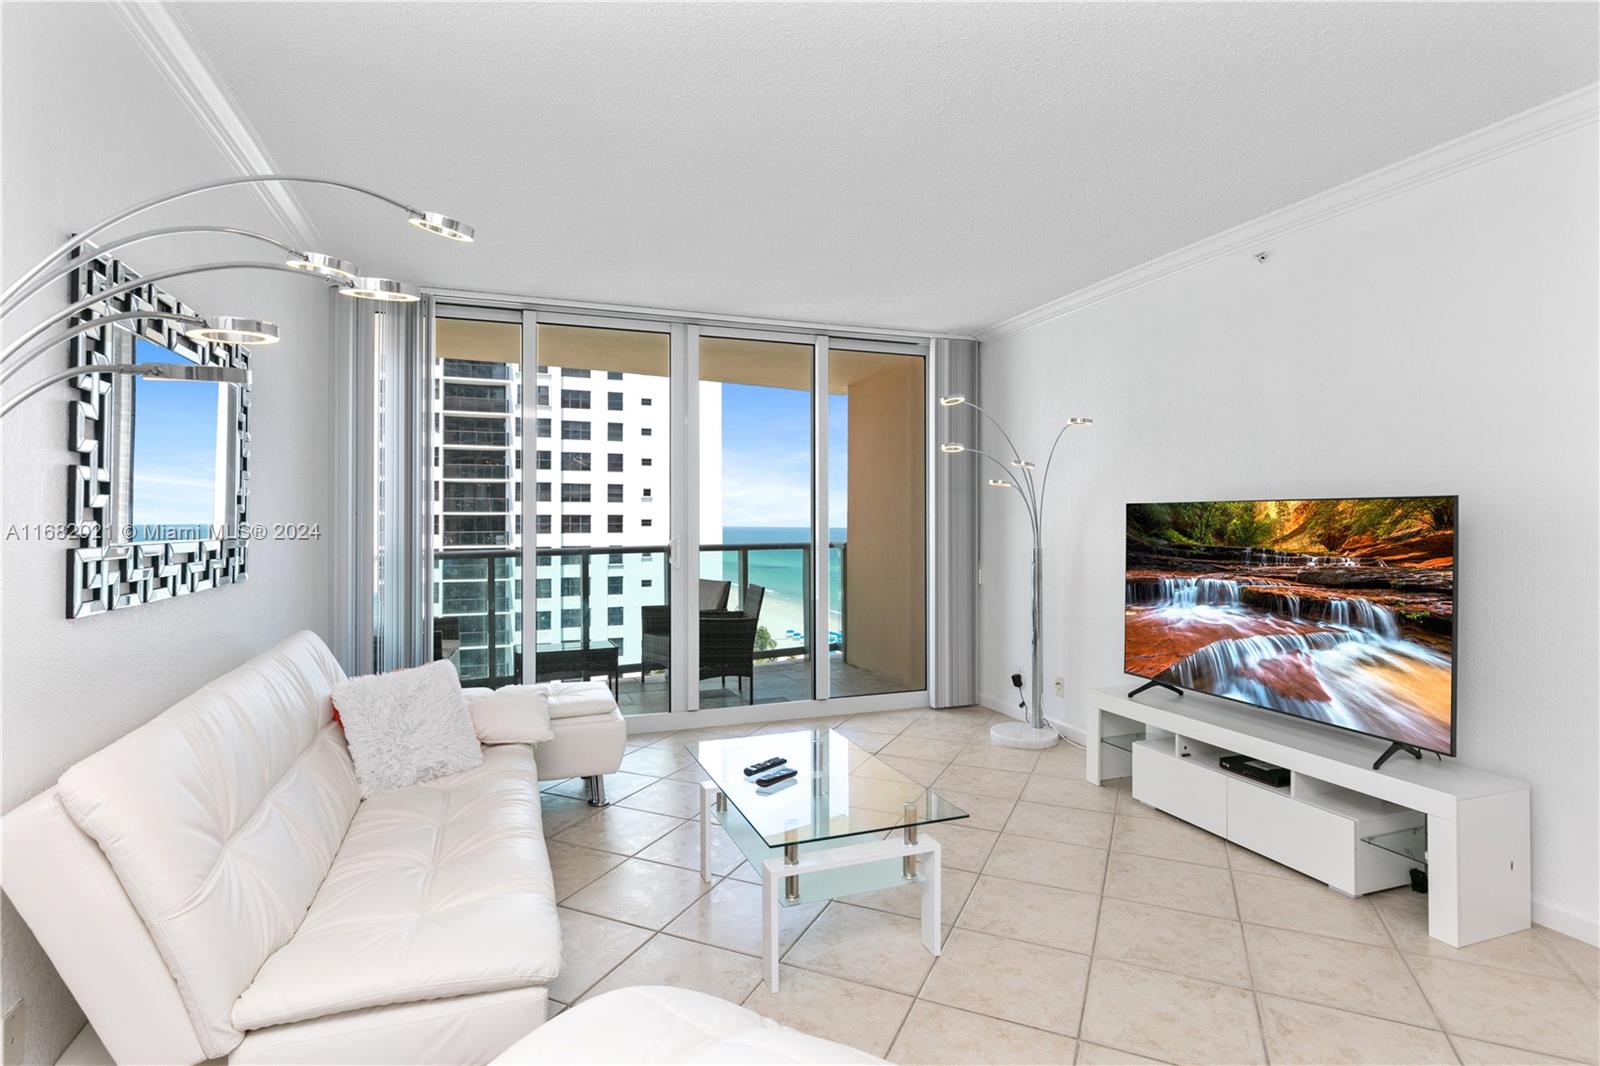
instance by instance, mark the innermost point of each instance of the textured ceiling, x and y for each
(925, 166)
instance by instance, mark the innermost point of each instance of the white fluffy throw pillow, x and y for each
(406, 727)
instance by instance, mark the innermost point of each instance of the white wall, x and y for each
(1442, 340)
(91, 126)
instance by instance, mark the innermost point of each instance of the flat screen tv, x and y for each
(1337, 611)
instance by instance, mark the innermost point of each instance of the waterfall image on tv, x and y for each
(1339, 611)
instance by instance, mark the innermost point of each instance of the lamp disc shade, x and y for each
(952, 401)
(225, 330)
(384, 290)
(326, 265)
(952, 449)
(442, 225)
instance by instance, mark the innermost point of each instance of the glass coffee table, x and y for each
(845, 823)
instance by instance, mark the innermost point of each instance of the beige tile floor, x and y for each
(1082, 927)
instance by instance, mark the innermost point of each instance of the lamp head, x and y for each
(1022, 464)
(952, 448)
(999, 483)
(384, 290)
(952, 401)
(327, 266)
(442, 226)
(1080, 421)
(225, 330)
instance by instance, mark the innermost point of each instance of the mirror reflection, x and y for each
(172, 455)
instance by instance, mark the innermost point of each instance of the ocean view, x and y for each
(781, 572)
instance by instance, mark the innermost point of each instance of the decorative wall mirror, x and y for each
(157, 500)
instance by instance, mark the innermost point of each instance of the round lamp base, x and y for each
(1022, 735)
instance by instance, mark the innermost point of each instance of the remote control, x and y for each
(764, 764)
(774, 776)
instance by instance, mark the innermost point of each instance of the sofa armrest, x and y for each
(60, 882)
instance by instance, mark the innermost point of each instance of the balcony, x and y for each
(474, 505)
(477, 369)
(475, 471)
(475, 438)
(479, 618)
(498, 405)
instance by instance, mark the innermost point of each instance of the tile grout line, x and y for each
(1249, 964)
(1421, 991)
(1560, 958)
(1094, 942)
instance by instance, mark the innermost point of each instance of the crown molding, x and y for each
(1561, 115)
(158, 30)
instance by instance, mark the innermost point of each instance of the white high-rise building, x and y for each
(596, 462)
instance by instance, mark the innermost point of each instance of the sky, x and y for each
(766, 457)
(174, 446)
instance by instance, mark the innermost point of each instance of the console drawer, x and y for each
(1182, 787)
(1301, 836)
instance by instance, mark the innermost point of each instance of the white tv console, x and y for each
(1357, 829)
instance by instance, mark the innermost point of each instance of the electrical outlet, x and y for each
(14, 1032)
(1061, 687)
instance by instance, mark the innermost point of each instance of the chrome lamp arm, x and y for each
(430, 221)
(227, 375)
(117, 290)
(61, 270)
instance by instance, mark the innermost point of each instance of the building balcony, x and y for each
(475, 370)
(475, 472)
(475, 438)
(477, 405)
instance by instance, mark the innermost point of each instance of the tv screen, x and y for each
(1337, 611)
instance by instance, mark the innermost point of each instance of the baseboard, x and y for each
(1070, 732)
(1582, 927)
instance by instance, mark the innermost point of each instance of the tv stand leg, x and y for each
(1159, 684)
(1394, 749)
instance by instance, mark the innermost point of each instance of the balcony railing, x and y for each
(499, 405)
(480, 596)
(476, 437)
(477, 471)
(472, 368)
(474, 505)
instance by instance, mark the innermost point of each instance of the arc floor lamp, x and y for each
(1018, 473)
(230, 330)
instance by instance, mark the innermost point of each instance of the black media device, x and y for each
(1255, 770)
(774, 776)
(764, 764)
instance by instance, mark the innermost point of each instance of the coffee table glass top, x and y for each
(840, 790)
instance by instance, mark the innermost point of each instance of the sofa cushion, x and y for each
(440, 889)
(221, 817)
(578, 699)
(656, 1024)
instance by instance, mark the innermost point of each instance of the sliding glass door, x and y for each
(758, 631)
(877, 497)
(573, 457)
(602, 508)
(476, 525)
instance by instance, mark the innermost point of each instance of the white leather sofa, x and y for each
(212, 884)
(657, 1024)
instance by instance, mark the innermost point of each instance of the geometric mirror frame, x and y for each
(115, 563)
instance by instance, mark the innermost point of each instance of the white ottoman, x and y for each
(654, 1024)
(590, 737)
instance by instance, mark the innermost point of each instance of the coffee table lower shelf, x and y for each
(821, 870)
